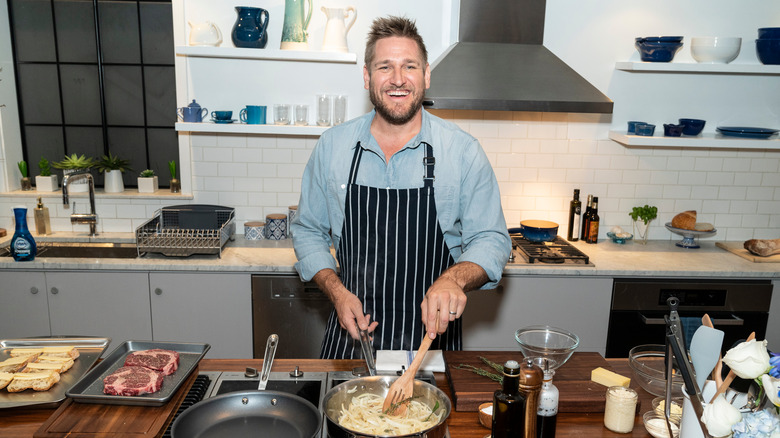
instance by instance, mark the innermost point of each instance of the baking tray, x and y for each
(90, 388)
(90, 349)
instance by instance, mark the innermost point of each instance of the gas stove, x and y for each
(557, 252)
(310, 385)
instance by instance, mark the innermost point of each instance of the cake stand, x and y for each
(689, 236)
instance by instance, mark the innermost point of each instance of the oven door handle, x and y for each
(734, 320)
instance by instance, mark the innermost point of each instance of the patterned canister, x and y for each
(276, 226)
(254, 230)
(291, 212)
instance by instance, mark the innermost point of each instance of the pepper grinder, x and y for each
(531, 379)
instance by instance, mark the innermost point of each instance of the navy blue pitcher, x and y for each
(249, 30)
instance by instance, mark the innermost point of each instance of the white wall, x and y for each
(538, 157)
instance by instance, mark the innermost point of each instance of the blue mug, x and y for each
(192, 114)
(253, 115)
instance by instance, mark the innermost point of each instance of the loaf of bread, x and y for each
(15, 364)
(763, 247)
(5, 379)
(41, 381)
(685, 220)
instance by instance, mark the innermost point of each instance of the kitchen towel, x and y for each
(393, 360)
(689, 324)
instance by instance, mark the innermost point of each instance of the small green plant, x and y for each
(22, 168)
(43, 167)
(646, 213)
(112, 162)
(148, 173)
(75, 162)
(172, 168)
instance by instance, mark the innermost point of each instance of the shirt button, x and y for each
(343, 186)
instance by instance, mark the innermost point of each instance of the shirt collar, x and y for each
(368, 142)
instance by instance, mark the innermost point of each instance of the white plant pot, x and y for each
(46, 183)
(113, 182)
(80, 186)
(147, 185)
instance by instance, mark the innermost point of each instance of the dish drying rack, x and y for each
(184, 230)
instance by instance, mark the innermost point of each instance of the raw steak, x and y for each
(165, 361)
(132, 381)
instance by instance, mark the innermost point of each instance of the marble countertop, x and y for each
(659, 258)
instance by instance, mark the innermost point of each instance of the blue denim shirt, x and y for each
(466, 192)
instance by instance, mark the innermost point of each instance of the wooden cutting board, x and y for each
(88, 420)
(577, 392)
(738, 249)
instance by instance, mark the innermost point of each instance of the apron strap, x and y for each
(428, 161)
(355, 163)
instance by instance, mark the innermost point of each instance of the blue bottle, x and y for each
(23, 247)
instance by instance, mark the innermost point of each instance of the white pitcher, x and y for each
(335, 30)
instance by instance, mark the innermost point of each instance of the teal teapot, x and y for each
(294, 34)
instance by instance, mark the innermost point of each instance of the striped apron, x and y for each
(391, 251)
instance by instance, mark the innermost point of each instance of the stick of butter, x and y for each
(608, 378)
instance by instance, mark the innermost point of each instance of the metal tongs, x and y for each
(675, 348)
(368, 352)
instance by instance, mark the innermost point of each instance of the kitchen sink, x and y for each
(100, 250)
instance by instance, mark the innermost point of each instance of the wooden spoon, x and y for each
(717, 373)
(729, 377)
(403, 387)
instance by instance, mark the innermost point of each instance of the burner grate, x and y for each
(557, 251)
(194, 395)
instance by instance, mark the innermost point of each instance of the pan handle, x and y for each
(268, 360)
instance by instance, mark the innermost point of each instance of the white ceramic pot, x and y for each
(46, 183)
(147, 185)
(205, 34)
(113, 182)
(689, 424)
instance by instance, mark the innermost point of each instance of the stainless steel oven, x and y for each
(737, 307)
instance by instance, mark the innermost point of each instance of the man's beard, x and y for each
(394, 118)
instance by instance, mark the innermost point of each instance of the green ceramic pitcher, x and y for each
(294, 34)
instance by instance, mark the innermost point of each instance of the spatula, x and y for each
(705, 350)
(717, 373)
(403, 387)
(729, 377)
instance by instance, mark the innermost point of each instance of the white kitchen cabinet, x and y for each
(579, 305)
(212, 308)
(105, 304)
(24, 309)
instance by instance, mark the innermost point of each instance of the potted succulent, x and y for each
(113, 167)
(175, 184)
(642, 217)
(45, 181)
(26, 183)
(75, 163)
(147, 182)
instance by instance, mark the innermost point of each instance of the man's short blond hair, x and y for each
(386, 27)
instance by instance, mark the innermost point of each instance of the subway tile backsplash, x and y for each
(538, 158)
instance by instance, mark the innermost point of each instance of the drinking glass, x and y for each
(301, 115)
(282, 114)
(323, 110)
(339, 109)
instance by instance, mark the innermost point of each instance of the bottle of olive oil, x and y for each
(575, 211)
(509, 405)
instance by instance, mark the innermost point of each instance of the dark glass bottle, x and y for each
(593, 222)
(509, 405)
(547, 414)
(585, 217)
(22, 244)
(575, 211)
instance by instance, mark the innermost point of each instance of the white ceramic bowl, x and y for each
(715, 50)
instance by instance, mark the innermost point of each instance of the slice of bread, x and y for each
(64, 351)
(5, 379)
(15, 364)
(41, 381)
(25, 351)
(65, 362)
(36, 367)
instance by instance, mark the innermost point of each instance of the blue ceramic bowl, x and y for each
(768, 51)
(672, 130)
(769, 32)
(657, 51)
(692, 126)
(660, 39)
(538, 230)
(632, 126)
(645, 129)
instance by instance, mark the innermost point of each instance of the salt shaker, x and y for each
(620, 409)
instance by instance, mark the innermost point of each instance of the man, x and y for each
(409, 202)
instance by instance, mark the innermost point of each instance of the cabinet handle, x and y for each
(33, 290)
(54, 291)
(158, 291)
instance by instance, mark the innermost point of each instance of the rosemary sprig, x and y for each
(496, 366)
(395, 406)
(481, 372)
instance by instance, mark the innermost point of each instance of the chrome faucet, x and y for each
(82, 218)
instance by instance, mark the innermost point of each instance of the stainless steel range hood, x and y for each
(499, 63)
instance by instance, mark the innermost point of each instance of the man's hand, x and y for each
(447, 295)
(348, 306)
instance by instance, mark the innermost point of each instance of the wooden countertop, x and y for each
(24, 422)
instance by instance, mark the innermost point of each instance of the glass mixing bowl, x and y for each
(552, 343)
(647, 364)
